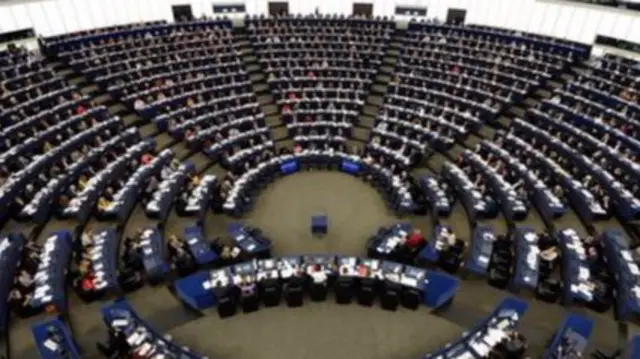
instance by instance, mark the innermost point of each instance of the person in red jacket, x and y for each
(415, 240)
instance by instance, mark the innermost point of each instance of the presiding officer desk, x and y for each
(200, 290)
(244, 188)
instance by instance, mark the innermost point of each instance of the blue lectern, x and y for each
(319, 224)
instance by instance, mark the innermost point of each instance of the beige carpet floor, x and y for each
(318, 330)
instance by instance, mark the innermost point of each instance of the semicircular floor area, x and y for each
(318, 330)
(284, 208)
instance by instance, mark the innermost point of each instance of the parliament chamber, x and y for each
(258, 182)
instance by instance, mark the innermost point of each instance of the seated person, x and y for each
(513, 346)
(230, 254)
(247, 287)
(117, 345)
(548, 259)
(446, 239)
(19, 301)
(180, 255)
(85, 280)
(318, 275)
(415, 240)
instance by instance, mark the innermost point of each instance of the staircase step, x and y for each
(454, 153)
(567, 77)
(543, 94)
(504, 121)
(387, 70)
(354, 145)
(288, 143)
(472, 140)
(370, 110)
(375, 100)
(253, 68)
(390, 60)
(279, 133)
(103, 99)
(131, 119)
(66, 73)
(435, 162)
(249, 59)
(163, 141)
(531, 102)
(555, 84)
(395, 44)
(78, 81)
(116, 109)
(361, 134)
(393, 52)
(518, 111)
(213, 169)
(259, 77)
(273, 121)
(265, 99)
(181, 151)
(380, 89)
(56, 65)
(150, 129)
(366, 121)
(260, 87)
(269, 109)
(384, 79)
(238, 40)
(487, 132)
(89, 89)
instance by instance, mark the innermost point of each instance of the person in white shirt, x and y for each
(86, 238)
(318, 275)
(139, 104)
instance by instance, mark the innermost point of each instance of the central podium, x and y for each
(319, 224)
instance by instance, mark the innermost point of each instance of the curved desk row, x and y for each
(162, 199)
(143, 339)
(625, 271)
(624, 201)
(40, 208)
(54, 340)
(481, 250)
(50, 278)
(397, 194)
(581, 199)
(571, 338)
(82, 205)
(18, 181)
(439, 201)
(526, 274)
(199, 199)
(513, 207)
(125, 199)
(549, 206)
(152, 250)
(475, 203)
(198, 291)
(198, 246)
(576, 273)
(10, 252)
(479, 341)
